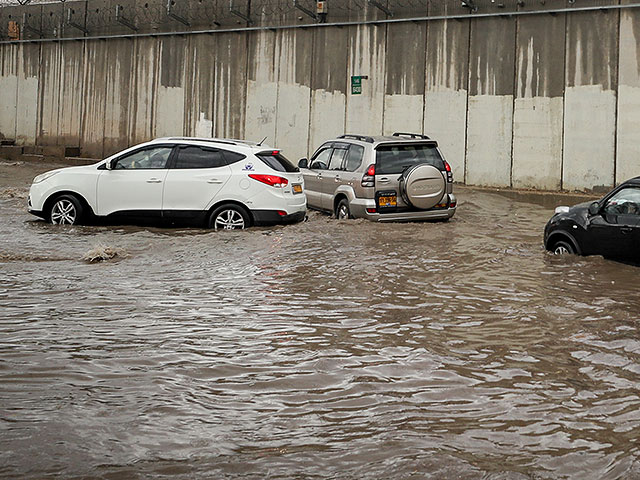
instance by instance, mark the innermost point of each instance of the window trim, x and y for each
(317, 154)
(354, 146)
(176, 152)
(156, 146)
(341, 166)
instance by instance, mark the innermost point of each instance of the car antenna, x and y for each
(262, 141)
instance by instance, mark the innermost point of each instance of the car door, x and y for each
(332, 178)
(313, 176)
(134, 183)
(196, 176)
(615, 231)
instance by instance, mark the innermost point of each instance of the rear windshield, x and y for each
(277, 161)
(392, 159)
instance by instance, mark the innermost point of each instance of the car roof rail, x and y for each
(412, 135)
(196, 139)
(362, 138)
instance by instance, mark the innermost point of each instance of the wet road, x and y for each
(345, 350)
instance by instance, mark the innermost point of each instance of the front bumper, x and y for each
(37, 213)
(33, 211)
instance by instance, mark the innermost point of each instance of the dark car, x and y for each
(609, 227)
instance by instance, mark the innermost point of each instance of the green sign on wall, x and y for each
(356, 85)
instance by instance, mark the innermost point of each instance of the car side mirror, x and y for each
(594, 208)
(108, 165)
(303, 163)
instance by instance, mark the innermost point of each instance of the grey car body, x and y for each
(403, 177)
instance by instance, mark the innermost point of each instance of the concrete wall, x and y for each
(529, 101)
(539, 104)
(590, 99)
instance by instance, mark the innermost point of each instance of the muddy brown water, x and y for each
(346, 350)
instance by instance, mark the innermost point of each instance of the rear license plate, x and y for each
(297, 188)
(388, 201)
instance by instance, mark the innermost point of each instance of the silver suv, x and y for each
(399, 178)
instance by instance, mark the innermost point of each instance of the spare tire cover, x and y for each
(424, 186)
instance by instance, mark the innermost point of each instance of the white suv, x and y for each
(221, 184)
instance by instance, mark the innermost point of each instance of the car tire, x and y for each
(342, 210)
(229, 217)
(66, 210)
(563, 247)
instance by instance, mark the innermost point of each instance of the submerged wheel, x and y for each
(229, 217)
(563, 247)
(66, 210)
(342, 210)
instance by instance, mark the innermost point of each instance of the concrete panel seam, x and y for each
(564, 99)
(466, 123)
(615, 133)
(311, 72)
(515, 94)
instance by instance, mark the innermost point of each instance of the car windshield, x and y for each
(277, 161)
(392, 159)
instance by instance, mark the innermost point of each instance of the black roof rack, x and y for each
(208, 140)
(362, 138)
(411, 135)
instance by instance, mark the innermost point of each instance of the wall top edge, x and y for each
(378, 22)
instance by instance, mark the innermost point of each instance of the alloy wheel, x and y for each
(229, 220)
(64, 213)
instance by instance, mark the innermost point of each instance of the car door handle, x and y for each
(626, 230)
(337, 178)
(383, 180)
(214, 180)
(154, 180)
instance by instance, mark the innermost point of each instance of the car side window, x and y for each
(337, 158)
(321, 160)
(190, 157)
(145, 159)
(625, 202)
(354, 158)
(232, 157)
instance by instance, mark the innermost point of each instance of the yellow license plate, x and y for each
(390, 201)
(297, 189)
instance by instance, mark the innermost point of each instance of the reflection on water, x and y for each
(321, 350)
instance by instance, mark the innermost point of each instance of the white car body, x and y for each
(108, 188)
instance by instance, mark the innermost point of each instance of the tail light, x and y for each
(272, 180)
(449, 202)
(447, 167)
(369, 178)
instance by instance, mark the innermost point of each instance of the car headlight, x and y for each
(45, 176)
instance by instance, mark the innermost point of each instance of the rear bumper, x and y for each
(444, 214)
(272, 217)
(359, 210)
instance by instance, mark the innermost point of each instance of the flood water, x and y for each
(326, 349)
